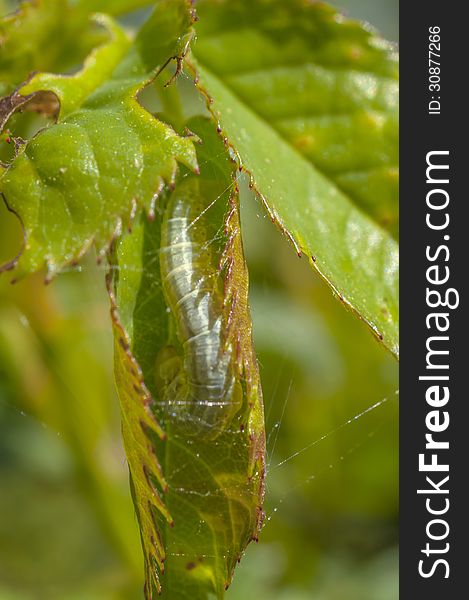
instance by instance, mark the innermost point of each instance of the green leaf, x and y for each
(82, 180)
(308, 100)
(52, 35)
(44, 35)
(199, 498)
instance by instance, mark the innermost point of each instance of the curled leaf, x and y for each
(181, 289)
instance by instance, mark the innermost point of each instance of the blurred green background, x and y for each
(67, 526)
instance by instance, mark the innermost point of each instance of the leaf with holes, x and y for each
(82, 180)
(179, 290)
(308, 99)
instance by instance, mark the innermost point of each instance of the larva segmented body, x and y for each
(203, 389)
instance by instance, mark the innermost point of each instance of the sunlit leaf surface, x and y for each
(309, 101)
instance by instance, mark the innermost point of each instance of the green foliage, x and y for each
(295, 80)
(328, 85)
(26, 34)
(81, 180)
(309, 101)
(356, 258)
(305, 103)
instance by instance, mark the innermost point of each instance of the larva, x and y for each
(200, 388)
